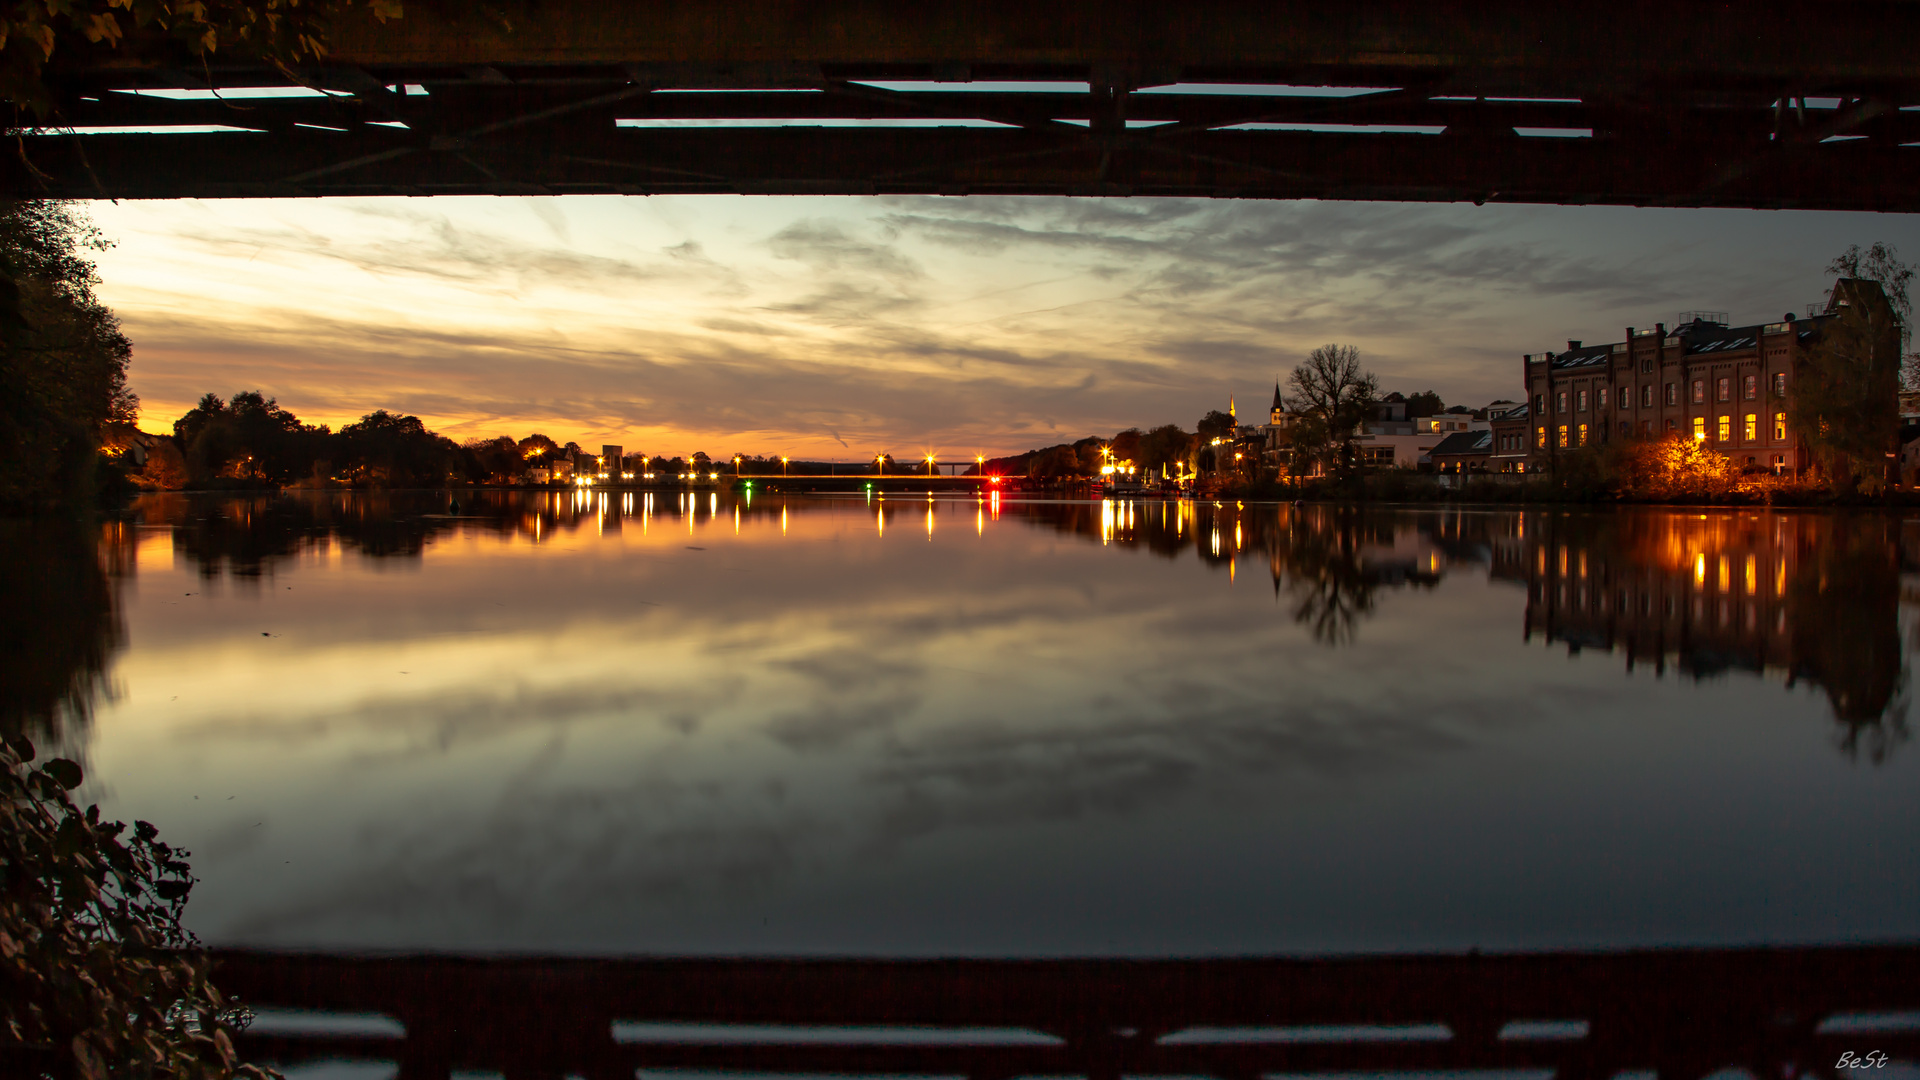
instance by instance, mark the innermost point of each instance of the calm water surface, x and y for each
(706, 725)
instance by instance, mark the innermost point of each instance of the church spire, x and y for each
(1230, 411)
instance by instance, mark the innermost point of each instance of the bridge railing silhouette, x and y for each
(1682, 1013)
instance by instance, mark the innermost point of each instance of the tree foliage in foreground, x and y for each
(93, 960)
(63, 359)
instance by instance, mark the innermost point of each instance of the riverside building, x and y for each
(1727, 386)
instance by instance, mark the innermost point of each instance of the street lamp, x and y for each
(783, 466)
(929, 464)
(880, 464)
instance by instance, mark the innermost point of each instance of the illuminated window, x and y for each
(1752, 427)
(1699, 427)
(1779, 384)
(1646, 396)
(1750, 387)
(1563, 435)
(1723, 390)
(1726, 428)
(1699, 391)
(1542, 433)
(1580, 401)
(1583, 435)
(1780, 426)
(1673, 393)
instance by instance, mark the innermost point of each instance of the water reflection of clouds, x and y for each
(829, 728)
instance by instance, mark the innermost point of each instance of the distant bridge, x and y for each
(1787, 104)
(845, 481)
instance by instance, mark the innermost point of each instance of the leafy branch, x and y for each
(38, 34)
(93, 960)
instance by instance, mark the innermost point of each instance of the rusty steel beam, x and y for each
(1682, 103)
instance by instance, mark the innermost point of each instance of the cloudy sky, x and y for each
(842, 327)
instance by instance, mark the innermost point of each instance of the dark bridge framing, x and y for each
(1684, 1013)
(1768, 105)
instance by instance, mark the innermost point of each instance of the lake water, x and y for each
(702, 724)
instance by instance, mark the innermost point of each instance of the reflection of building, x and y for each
(1727, 386)
(1803, 597)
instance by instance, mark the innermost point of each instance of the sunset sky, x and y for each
(844, 327)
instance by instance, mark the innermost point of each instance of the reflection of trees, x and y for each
(1319, 563)
(1332, 560)
(1843, 607)
(59, 625)
(245, 536)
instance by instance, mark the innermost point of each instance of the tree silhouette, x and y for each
(1331, 398)
(63, 359)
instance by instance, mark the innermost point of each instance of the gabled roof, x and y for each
(1464, 442)
(1695, 337)
(1587, 356)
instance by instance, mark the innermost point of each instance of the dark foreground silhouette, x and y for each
(1686, 1013)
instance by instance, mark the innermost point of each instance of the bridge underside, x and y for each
(1787, 105)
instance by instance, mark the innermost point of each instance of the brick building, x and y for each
(1726, 385)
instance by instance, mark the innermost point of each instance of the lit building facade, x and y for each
(1727, 386)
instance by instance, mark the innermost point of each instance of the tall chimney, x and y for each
(1572, 344)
